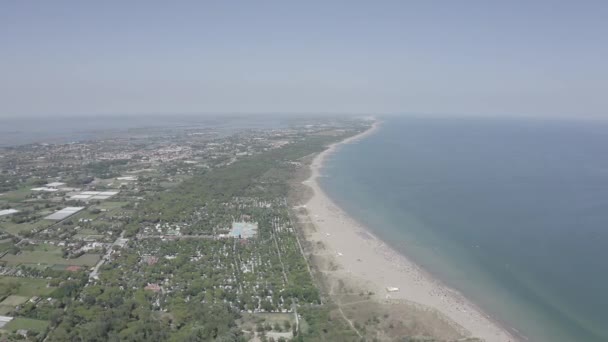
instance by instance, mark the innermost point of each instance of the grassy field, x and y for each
(15, 228)
(49, 255)
(28, 287)
(88, 236)
(87, 231)
(84, 214)
(9, 303)
(249, 321)
(27, 324)
(5, 246)
(14, 300)
(17, 195)
(109, 205)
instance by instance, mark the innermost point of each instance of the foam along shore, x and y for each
(381, 268)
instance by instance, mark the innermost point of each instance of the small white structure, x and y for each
(45, 189)
(8, 212)
(54, 185)
(392, 289)
(63, 213)
(100, 195)
(127, 178)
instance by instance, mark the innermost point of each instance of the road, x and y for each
(119, 242)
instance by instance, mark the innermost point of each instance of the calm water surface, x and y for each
(513, 213)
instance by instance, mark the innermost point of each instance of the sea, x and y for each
(512, 213)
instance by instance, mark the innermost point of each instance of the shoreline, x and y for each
(367, 258)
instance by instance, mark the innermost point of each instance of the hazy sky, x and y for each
(472, 57)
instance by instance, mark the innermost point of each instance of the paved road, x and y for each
(119, 242)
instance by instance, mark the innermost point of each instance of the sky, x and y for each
(518, 58)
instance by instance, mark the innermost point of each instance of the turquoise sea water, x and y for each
(512, 213)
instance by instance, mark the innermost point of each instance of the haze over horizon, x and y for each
(516, 58)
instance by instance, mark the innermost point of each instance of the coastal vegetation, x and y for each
(210, 249)
(197, 288)
(160, 264)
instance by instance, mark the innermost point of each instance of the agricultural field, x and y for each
(20, 228)
(21, 323)
(6, 245)
(48, 255)
(24, 287)
(17, 196)
(10, 302)
(14, 300)
(109, 205)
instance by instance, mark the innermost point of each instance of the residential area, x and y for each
(155, 228)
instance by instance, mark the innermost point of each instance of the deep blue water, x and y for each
(512, 213)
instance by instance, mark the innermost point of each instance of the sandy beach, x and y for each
(366, 258)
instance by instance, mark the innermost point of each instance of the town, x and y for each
(176, 235)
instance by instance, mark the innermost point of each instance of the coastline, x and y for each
(372, 262)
